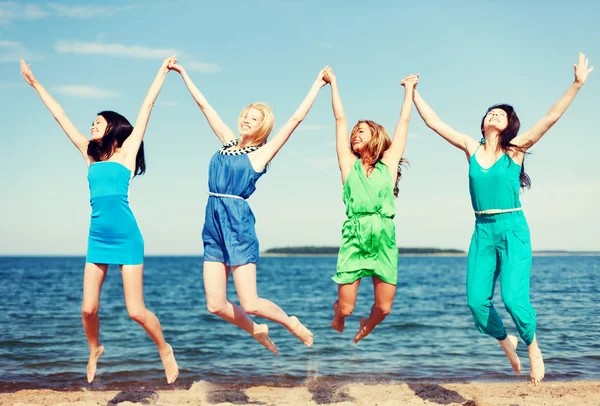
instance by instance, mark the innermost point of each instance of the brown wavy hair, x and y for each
(376, 147)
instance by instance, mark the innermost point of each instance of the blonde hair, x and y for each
(264, 129)
(376, 147)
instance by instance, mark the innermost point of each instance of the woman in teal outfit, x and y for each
(500, 246)
(114, 155)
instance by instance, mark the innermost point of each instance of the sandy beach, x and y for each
(318, 393)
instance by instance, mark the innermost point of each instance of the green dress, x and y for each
(369, 235)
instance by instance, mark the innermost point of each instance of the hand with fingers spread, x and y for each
(28, 74)
(581, 69)
(410, 82)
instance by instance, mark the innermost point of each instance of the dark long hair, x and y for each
(380, 142)
(507, 135)
(118, 129)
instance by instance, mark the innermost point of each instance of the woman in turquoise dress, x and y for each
(114, 155)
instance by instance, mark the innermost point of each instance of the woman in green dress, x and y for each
(370, 173)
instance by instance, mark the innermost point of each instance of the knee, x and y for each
(476, 303)
(384, 309)
(345, 310)
(137, 314)
(250, 306)
(89, 311)
(215, 307)
(512, 302)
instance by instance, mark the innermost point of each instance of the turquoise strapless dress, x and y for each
(114, 237)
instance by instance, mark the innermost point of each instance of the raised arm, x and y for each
(459, 140)
(224, 133)
(80, 141)
(346, 157)
(268, 151)
(132, 143)
(530, 137)
(394, 153)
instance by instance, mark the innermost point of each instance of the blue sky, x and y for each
(470, 55)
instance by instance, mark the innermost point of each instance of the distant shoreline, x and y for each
(463, 254)
(266, 254)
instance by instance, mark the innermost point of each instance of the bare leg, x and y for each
(509, 345)
(133, 287)
(244, 277)
(215, 287)
(536, 362)
(93, 279)
(344, 306)
(384, 297)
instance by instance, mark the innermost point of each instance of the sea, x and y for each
(428, 337)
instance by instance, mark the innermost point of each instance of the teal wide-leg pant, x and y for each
(501, 247)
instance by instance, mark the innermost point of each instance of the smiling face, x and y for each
(98, 128)
(250, 122)
(496, 119)
(360, 137)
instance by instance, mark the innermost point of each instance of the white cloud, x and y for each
(33, 12)
(85, 92)
(86, 11)
(203, 67)
(97, 48)
(11, 85)
(12, 51)
(11, 11)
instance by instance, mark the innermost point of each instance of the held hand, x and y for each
(27, 74)
(329, 76)
(320, 77)
(581, 69)
(410, 82)
(167, 62)
(173, 65)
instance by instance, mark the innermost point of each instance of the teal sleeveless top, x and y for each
(496, 187)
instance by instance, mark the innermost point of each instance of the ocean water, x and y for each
(429, 336)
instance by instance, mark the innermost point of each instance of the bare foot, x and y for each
(261, 334)
(362, 332)
(168, 359)
(304, 334)
(536, 365)
(338, 322)
(91, 366)
(509, 345)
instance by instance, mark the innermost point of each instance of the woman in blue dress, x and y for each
(114, 155)
(230, 242)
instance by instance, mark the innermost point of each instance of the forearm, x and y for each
(406, 106)
(52, 105)
(302, 111)
(196, 94)
(426, 112)
(336, 102)
(564, 102)
(154, 90)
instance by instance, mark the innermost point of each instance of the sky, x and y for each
(470, 55)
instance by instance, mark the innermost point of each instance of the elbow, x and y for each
(297, 118)
(340, 119)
